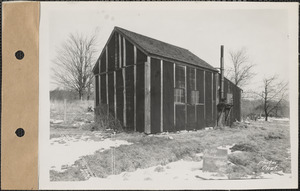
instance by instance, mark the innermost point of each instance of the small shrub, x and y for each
(159, 169)
(274, 135)
(247, 147)
(104, 120)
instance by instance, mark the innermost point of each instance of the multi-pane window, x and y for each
(179, 96)
(195, 99)
(179, 91)
(192, 75)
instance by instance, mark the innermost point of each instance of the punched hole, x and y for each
(19, 54)
(20, 132)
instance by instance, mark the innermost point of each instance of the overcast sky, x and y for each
(263, 32)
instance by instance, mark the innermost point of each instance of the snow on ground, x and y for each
(68, 149)
(180, 170)
(270, 119)
(175, 171)
(278, 119)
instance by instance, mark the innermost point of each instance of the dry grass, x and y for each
(75, 111)
(258, 141)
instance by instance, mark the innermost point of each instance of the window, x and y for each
(195, 99)
(192, 81)
(179, 90)
(180, 77)
(179, 96)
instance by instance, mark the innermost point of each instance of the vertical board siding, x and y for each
(111, 54)
(208, 99)
(129, 53)
(111, 93)
(116, 51)
(191, 118)
(155, 95)
(103, 62)
(180, 116)
(140, 91)
(200, 117)
(200, 84)
(96, 70)
(180, 108)
(140, 97)
(120, 95)
(129, 98)
(215, 113)
(97, 90)
(200, 108)
(103, 88)
(168, 96)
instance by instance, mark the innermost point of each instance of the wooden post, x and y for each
(107, 103)
(115, 95)
(204, 98)
(124, 83)
(120, 50)
(174, 78)
(134, 91)
(161, 96)
(198, 95)
(185, 92)
(147, 96)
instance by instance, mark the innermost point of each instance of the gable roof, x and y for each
(162, 49)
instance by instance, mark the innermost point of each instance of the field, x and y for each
(256, 149)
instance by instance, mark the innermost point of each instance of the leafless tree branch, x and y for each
(72, 67)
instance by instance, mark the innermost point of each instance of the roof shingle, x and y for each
(162, 49)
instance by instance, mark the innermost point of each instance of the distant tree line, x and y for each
(70, 95)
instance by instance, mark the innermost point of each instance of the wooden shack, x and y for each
(151, 86)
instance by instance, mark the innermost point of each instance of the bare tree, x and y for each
(73, 65)
(272, 96)
(242, 70)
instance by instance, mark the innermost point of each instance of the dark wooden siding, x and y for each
(111, 54)
(214, 105)
(200, 108)
(168, 96)
(200, 84)
(235, 113)
(191, 114)
(119, 95)
(116, 51)
(111, 93)
(129, 53)
(140, 91)
(180, 108)
(208, 99)
(129, 81)
(96, 69)
(140, 97)
(180, 116)
(103, 88)
(122, 50)
(103, 62)
(200, 117)
(97, 90)
(155, 95)
(191, 117)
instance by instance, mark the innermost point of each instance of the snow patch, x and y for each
(66, 150)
